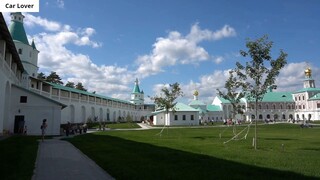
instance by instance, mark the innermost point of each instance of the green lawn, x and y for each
(285, 151)
(17, 157)
(118, 125)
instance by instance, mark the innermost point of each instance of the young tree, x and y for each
(233, 93)
(70, 84)
(167, 99)
(54, 78)
(260, 72)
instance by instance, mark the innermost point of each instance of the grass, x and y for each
(285, 152)
(17, 156)
(118, 125)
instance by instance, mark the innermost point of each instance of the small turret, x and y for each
(137, 96)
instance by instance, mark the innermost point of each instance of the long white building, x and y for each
(78, 106)
(21, 108)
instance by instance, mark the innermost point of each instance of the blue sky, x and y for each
(106, 44)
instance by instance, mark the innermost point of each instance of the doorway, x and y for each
(18, 124)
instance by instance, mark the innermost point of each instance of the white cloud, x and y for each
(60, 4)
(178, 49)
(76, 67)
(218, 59)
(292, 75)
(31, 21)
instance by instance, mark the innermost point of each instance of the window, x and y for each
(299, 98)
(302, 97)
(176, 117)
(183, 117)
(20, 51)
(267, 107)
(192, 117)
(23, 99)
(318, 105)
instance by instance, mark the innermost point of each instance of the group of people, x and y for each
(76, 128)
(231, 122)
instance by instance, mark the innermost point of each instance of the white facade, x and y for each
(14, 114)
(183, 115)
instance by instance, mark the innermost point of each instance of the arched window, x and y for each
(260, 116)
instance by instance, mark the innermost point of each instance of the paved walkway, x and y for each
(59, 159)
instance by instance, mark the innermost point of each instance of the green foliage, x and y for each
(261, 70)
(70, 84)
(80, 87)
(168, 96)
(287, 152)
(233, 92)
(54, 78)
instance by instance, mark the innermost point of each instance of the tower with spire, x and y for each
(308, 81)
(137, 96)
(28, 52)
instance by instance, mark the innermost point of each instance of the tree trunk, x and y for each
(255, 129)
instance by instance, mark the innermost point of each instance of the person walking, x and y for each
(43, 128)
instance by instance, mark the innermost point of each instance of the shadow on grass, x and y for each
(125, 159)
(279, 139)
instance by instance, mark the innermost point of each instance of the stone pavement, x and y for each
(59, 159)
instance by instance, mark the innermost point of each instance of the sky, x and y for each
(107, 44)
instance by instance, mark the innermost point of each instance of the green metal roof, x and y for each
(307, 90)
(136, 89)
(196, 102)
(57, 86)
(213, 108)
(179, 107)
(278, 97)
(33, 45)
(184, 107)
(201, 111)
(270, 97)
(315, 97)
(17, 32)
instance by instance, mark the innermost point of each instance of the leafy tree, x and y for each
(260, 72)
(41, 76)
(233, 93)
(70, 84)
(167, 98)
(54, 78)
(80, 87)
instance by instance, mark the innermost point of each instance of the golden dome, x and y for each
(195, 93)
(308, 72)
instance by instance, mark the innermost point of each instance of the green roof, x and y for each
(136, 89)
(270, 97)
(184, 107)
(307, 90)
(179, 107)
(196, 102)
(57, 86)
(33, 45)
(278, 97)
(17, 32)
(213, 108)
(201, 111)
(315, 97)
